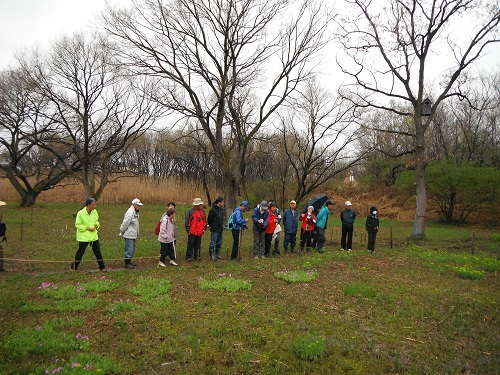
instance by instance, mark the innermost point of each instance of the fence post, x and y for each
(473, 242)
(391, 237)
(1, 257)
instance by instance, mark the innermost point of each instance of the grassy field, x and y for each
(414, 308)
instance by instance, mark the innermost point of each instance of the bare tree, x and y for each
(99, 109)
(390, 47)
(227, 64)
(30, 155)
(319, 135)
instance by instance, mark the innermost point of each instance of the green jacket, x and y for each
(85, 220)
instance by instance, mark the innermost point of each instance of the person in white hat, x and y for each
(196, 223)
(129, 230)
(347, 217)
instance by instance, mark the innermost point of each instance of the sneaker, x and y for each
(263, 257)
(341, 249)
(129, 265)
(189, 259)
(212, 258)
(349, 249)
(172, 262)
(219, 257)
(161, 264)
(256, 257)
(103, 269)
(320, 250)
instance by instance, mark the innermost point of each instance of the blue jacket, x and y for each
(238, 221)
(256, 215)
(291, 220)
(322, 217)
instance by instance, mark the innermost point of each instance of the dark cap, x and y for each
(328, 203)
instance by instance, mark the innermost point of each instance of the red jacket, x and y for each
(311, 221)
(272, 221)
(196, 222)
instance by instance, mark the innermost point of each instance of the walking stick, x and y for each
(239, 245)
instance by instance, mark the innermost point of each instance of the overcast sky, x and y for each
(30, 23)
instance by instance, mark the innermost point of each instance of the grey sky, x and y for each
(30, 23)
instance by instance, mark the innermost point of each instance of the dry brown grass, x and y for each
(124, 190)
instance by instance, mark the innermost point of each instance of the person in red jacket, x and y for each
(308, 223)
(196, 223)
(271, 226)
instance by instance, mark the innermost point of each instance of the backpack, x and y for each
(157, 229)
(3, 229)
(230, 223)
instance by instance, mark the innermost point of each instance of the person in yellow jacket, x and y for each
(87, 226)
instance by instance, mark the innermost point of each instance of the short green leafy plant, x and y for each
(467, 272)
(153, 291)
(82, 363)
(225, 283)
(310, 347)
(296, 276)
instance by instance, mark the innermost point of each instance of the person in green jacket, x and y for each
(87, 226)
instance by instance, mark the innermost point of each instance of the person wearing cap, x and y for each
(87, 227)
(239, 225)
(371, 225)
(215, 221)
(321, 225)
(274, 219)
(347, 217)
(195, 224)
(290, 224)
(129, 230)
(260, 218)
(306, 229)
(166, 238)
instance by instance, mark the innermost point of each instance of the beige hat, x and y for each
(347, 203)
(293, 202)
(197, 201)
(2, 203)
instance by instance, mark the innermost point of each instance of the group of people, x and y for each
(266, 228)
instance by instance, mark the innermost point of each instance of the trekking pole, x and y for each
(239, 245)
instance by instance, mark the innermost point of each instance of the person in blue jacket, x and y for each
(321, 225)
(290, 224)
(239, 225)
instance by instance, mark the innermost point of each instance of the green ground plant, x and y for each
(225, 284)
(298, 276)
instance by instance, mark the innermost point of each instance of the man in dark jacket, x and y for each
(290, 223)
(260, 218)
(216, 223)
(347, 217)
(371, 225)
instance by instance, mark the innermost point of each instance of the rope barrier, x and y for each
(71, 260)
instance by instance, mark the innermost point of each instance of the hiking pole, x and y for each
(239, 245)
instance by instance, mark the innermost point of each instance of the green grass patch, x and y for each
(298, 276)
(360, 290)
(82, 363)
(466, 272)
(225, 284)
(153, 291)
(310, 347)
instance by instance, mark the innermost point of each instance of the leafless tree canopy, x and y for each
(227, 64)
(389, 48)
